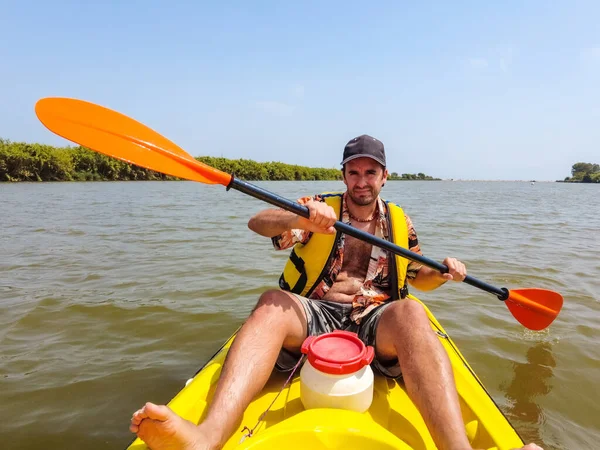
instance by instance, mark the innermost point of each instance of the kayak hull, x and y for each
(392, 421)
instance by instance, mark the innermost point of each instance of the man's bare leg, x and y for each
(404, 332)
(278, 320)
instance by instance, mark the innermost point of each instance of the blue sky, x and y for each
(464, 90)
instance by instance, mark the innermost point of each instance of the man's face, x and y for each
(364, 178)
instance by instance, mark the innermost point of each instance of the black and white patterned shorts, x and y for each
(325, 317)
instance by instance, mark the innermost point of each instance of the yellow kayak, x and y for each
(392, 421)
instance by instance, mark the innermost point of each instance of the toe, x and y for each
(158, 412)
(138, 416)
(531, 446)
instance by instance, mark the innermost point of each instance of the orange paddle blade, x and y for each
(114, 134)
(534, 308)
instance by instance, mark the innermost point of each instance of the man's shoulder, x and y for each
(398, 208)
(328, 196)
(331, 194)
(391, 204)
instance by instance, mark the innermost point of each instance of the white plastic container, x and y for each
(337, 372)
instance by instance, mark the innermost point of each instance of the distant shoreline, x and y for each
(25, 162)
(172, 179)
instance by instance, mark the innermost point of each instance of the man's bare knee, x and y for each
(406, 313)
(280, 309)
(399, 321)
(276, 300)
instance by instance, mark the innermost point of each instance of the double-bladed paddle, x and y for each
(114, 134)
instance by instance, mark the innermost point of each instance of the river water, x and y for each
(112, 294)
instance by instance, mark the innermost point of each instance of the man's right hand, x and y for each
(322, 218)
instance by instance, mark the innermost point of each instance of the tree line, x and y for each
(584, 173)
(21, 161)
(411, 176)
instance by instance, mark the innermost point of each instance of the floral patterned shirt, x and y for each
(376, 286)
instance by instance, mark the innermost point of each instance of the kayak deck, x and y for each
(392, 421)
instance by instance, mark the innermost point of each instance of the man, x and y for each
(332, 282)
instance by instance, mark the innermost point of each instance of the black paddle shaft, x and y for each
(288, 205)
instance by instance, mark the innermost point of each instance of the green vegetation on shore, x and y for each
(584, 173)
(411, 176)
(247, 169)
(20, 161)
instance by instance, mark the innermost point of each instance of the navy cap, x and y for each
(364, 146)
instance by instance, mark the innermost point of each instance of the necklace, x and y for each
(362, 220)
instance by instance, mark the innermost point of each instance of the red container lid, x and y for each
(338, 352)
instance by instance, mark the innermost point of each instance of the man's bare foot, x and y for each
(161, 429)
(531, 447)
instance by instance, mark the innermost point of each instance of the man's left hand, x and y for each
(456, 270)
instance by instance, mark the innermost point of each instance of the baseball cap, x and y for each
(364, 146)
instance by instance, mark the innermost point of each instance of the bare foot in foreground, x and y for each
(161, 429)
(531, 447)
(528, 447)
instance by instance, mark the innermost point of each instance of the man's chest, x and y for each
(357, 255)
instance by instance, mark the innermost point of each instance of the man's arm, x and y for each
(429, 279)
(273, 222)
